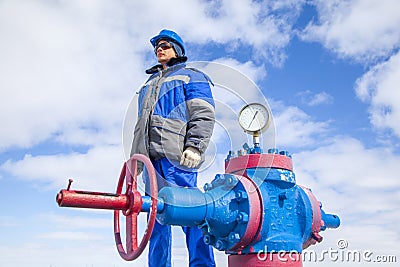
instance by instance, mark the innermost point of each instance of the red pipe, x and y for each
(92, 200)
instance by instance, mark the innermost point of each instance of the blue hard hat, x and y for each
(169, 35)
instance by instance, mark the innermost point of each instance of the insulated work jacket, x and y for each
(176, 110)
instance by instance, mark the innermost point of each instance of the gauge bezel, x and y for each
(265, 124)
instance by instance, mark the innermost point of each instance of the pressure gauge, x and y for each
(254, 118)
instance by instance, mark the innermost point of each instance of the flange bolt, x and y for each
(220, 245)
(208, 239)
(207, 187)
(231, 181)
(240, 195)
(234, 237)
(242, 217)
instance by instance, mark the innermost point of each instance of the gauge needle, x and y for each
(255, 114)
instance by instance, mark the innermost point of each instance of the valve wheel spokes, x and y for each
(129, 173)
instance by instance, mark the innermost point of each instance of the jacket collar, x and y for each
(171, 62)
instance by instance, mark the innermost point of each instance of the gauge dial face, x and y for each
(254, 117)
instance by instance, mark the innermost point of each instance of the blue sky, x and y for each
(69, 70)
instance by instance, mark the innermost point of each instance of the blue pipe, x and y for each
(146, 204)
(330, 220)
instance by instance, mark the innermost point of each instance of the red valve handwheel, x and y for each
(129, 171)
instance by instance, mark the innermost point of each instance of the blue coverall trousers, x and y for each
(200, 254)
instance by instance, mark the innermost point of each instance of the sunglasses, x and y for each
(163, 46)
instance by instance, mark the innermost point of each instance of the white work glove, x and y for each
(190, 157)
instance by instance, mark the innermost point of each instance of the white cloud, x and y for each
(362, 29)
(249, 69)
(321, 98)
(367, 31)
(74, 222)
(8, 221)
(249, 22)
(97, 170)
(295, 128)
(67, 253)
(379, 88)
(348, 165)
(70, 67)
(63, 66)
(360, 185)
(71, 236)
(309, 98)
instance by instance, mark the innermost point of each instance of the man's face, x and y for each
(164, 52)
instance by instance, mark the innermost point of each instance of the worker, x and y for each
(175, 123)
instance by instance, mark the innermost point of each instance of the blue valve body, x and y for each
(258, 207)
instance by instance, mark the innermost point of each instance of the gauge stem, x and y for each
(256, 139)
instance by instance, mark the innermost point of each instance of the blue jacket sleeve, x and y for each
(200, 105)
